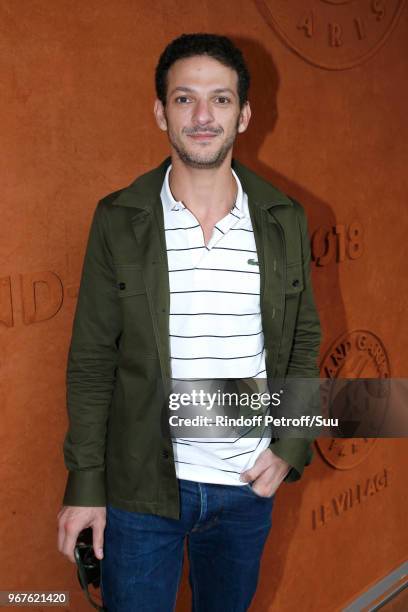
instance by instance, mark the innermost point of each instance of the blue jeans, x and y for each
(226, 528)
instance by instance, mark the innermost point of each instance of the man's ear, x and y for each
(160, 115)
(244, 117)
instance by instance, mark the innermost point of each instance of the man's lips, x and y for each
(206, 136)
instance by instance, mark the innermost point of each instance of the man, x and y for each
(197, 270)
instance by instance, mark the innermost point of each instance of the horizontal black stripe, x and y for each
(217, 314)
(216, 336)
(257, 374)
(171, 229)
(239, 454)
(215, 270)
(182, 442)
(214, 291)
(200, 379)
(231, 249)
(250, 452)
(203, 441)
(258, 441)
(188, 248)
(199, 465)
(223, 233)
(222, 358)
(236, 216)
(241, 229)
(178, 379)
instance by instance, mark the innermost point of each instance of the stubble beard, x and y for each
(213, 160)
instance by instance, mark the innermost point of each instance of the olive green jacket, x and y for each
(118, 447)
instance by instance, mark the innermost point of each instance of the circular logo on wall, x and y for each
(361, 355)
(332, 34)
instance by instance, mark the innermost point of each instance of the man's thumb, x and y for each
(97, 536)
(246, 476)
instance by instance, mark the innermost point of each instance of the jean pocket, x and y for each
(249, 489)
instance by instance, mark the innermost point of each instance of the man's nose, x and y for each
(203, 112)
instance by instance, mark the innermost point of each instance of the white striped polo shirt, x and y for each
(215, 324)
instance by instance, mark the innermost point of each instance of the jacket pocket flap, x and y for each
(294, 279)
(129, 280)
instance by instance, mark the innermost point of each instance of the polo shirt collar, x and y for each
(171, 204)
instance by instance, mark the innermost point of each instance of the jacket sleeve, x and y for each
(303, 359)
(91, 369)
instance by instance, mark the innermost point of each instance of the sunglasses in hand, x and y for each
(88, 566)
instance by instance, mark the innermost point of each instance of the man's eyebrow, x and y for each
(222, 89)
(191, 90)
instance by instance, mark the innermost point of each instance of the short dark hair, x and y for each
(218, 47)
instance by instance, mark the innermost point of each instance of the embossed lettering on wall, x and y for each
(41, 297)
(6, 305)
(350, 498)
(337, 243)
(332, 34)
(355, 354)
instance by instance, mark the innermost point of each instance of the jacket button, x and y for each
(295, 283)
(165, 454)
(122, 285)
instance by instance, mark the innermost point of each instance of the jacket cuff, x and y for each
(86, 488)
(296, 451)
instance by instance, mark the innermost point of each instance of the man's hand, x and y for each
(72, 520)
(266, 474)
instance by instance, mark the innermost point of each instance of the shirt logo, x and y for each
(252, 262)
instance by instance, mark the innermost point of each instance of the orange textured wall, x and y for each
(329, 127)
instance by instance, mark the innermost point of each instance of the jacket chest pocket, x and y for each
(137, 341)
(294, 279)
(129, 280)
(293, 290)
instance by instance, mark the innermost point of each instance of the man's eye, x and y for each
(222, 99)
(182, 99)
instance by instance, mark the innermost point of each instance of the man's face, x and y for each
(202, 114)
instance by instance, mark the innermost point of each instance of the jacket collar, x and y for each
(144, 192)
